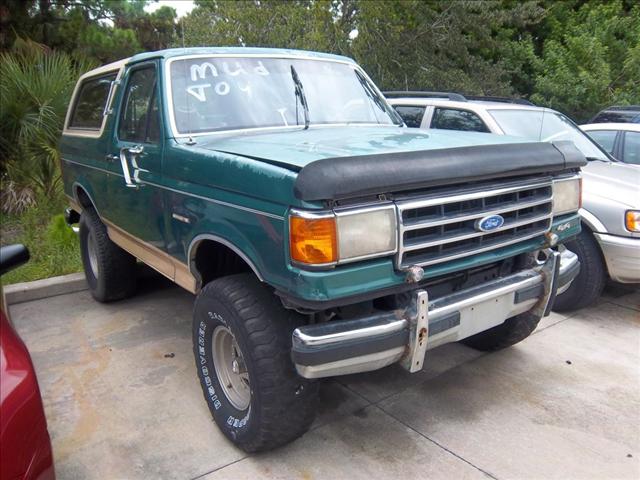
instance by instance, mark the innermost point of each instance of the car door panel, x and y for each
(136, 203)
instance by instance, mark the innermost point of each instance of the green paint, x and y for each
(221, 186)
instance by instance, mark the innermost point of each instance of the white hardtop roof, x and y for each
(111, 67)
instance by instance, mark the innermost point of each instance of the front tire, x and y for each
(242, 348)
(512, 331)
(109, 270)
(587, 287)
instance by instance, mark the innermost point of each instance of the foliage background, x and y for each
(576, 56)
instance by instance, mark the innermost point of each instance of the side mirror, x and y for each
(12, 256)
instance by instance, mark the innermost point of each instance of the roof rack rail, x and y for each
(491, 98)
(400, 93)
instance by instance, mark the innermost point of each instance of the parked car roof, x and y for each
(628, 127)
(618, 114)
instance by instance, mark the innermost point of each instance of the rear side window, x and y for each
(139, 119)
(454, 119)
(89, 106)
(411, 115)
(631, 149)
(606, 138)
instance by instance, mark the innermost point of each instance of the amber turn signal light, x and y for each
(313, 241)
(632, 220)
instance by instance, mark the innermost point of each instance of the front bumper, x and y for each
(369, 343)
(622, 255)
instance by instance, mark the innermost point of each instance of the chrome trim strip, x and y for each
(463, 218)
(349, 335)
(206, 236)
(442, 200)
(409, 247)
(219, 202)
(93, 167)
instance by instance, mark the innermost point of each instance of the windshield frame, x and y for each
(169, 95)
(544, 110)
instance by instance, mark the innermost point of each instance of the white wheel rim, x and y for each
(230, 368)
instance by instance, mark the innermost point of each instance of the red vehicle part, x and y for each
(25, 447)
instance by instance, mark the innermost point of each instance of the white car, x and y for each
(609, 245)
(621, 140)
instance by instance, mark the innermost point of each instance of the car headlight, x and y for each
(567, 195)
(346, 235)
(632, 220)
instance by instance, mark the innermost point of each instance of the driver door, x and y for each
(136, 204)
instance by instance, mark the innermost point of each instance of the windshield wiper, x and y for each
(299, 92)
(598, 159)
(371, 93)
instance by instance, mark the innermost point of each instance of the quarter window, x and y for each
(411, 115)
(606, 138)
(89, 107)
(454, 119)
(139, 120)
(631, 151)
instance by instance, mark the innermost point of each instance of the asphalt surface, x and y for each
(123, 401)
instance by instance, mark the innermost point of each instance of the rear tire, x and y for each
(587, 287)
(275, 405)
(109, 270)
(512, 331)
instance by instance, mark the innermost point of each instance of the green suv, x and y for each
(320, 236)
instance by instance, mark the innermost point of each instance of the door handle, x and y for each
(125, 167)
(136, 150)
(112, 158)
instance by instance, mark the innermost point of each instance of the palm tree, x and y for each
(35, 88)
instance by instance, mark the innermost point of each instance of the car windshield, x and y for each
(228, 93)
(545, 126)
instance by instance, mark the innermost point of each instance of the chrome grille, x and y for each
(443, 228)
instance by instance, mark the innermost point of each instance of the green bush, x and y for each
(53, 246)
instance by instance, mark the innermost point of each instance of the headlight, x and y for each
(567, 195)
(330, 238)
(632, 220)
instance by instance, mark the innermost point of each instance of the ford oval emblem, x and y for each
(489, 223)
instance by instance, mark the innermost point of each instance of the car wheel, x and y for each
(588, 285)
(110, 271)
(242, 348)
(512, 331)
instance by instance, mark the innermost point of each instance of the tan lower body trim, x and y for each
(164, 263)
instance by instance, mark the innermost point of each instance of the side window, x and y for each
(631, 149)
(411, 115)
(453, 119)
(605, 138)
(139, 120)
(89, 106)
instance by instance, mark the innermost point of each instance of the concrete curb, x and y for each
(48, 287)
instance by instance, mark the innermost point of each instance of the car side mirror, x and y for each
(12, 256)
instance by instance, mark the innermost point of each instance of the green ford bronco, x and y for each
(320, 236)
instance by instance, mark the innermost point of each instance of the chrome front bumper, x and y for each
(369, 343)
(622, 255)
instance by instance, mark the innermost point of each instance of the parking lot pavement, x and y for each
(123, 401)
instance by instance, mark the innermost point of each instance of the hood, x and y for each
(295, 149)
(614, 181)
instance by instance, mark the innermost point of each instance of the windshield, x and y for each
(222, 93)
(545, 126)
